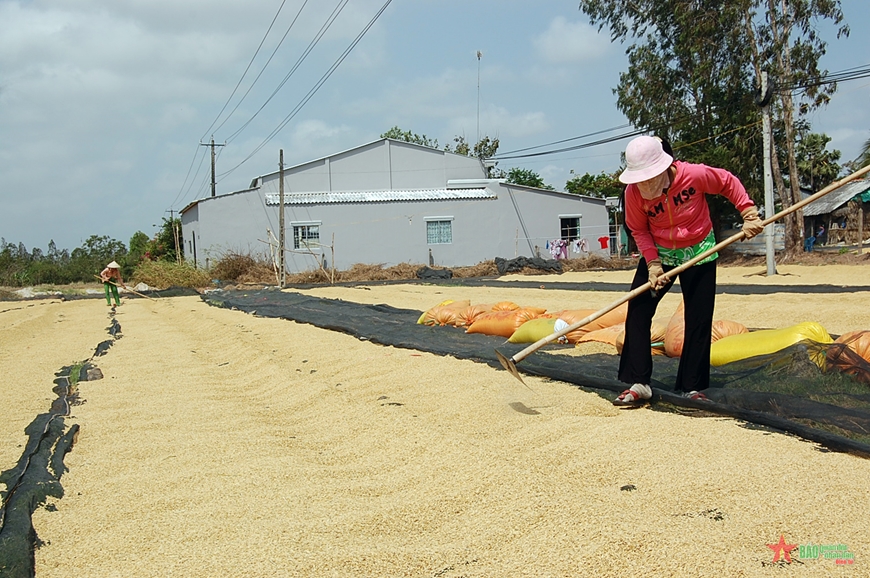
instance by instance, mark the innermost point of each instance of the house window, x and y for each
(306, 236)
(439, 230)
(569, 227)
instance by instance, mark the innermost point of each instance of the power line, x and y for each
(256, 52)
(326, 26)
(271, 56)
(577, 147)
(828, 78)
(187, 176)
(314, 89)
(626, 125)
(842, 76)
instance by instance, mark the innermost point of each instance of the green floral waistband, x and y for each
(676, 257)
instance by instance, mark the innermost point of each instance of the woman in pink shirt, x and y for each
(666, 211)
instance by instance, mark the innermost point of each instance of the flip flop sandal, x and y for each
(635, 400)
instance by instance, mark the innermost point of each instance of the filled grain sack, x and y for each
(724, 328)
(467, 316)
(657, 339)
(533, 330)
(745, 345)
(445, 313)
(676, 331)
(502, 323)
(850, 354)
(571, 316)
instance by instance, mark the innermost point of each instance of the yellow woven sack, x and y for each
(745, 345)
(533, 330)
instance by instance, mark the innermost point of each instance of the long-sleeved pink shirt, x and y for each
(680, 217)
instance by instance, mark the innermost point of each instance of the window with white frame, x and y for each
(439, 230)
(569, 227)
(306, 236)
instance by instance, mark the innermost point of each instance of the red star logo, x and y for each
(782, 549)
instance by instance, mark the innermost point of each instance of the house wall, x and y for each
(381, 166)
(518, 222)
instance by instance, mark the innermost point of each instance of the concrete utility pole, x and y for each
(769, 208)
(281, 239)
(212, 145)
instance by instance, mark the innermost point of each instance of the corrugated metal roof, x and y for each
(837, 198)
(319, 198)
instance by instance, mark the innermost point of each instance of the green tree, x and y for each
(138, 247)
(94, 254)
(527, 177)
(485, 148)
(407, 136)
(816, 165)
(163, 246)
(864, 159)
(602, 185)
(694, 69)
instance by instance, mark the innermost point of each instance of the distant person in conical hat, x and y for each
(111, 277)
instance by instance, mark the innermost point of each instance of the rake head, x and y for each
(509, 365)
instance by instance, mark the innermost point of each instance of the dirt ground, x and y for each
(218, 443)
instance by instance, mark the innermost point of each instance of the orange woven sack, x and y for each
(607, 335)
(572, 316)
(858, 341)
(502, 323)
(656, 337)
(538, 310)
(471, 313)
(444, 313)
(724, 328)
(675, 333)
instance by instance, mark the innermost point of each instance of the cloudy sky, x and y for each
(104, 103)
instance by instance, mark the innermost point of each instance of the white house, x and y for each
(390, 202)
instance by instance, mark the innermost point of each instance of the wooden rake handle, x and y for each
(125, 287)
(677, 270)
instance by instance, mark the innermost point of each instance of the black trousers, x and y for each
(699, 296)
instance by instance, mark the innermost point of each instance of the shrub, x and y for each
(164, 274)
(240, 268)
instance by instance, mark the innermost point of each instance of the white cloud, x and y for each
(570, 42)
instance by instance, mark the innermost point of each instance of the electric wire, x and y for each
(317, 37)
(247, 68)
(262, 70)
(187, 176)
(622, 126)
(853, 73)
(313, 90)
(193, 179)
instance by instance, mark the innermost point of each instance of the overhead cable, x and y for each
(326, 25)
(262, 70)
(256, 52)
(314, 89)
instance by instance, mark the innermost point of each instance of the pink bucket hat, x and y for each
(644, 158)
